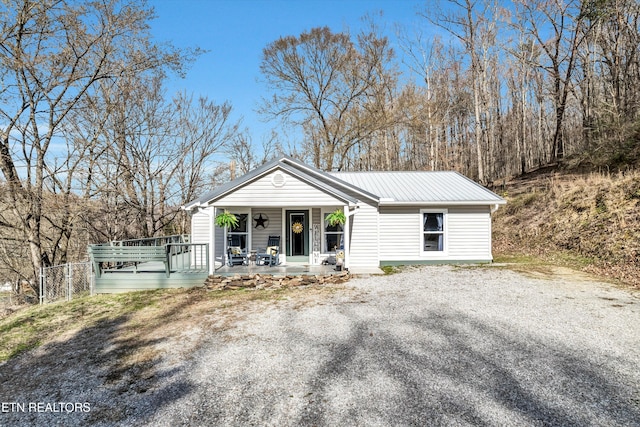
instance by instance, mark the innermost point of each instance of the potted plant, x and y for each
(336, 218)
(226, 219)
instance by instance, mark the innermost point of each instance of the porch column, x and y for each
(212, 239)
(345, 235)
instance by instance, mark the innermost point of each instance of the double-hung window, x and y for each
(239, 235)
(433, 231)
(333, 236)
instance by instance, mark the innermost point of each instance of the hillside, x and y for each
(588, 220)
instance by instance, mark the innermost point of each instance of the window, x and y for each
(333, 236)
(238, 236)
(433, 231)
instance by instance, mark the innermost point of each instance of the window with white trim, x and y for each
(239, 235)
(433, 231)
(333, 236)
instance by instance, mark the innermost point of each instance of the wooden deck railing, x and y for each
(171, 254)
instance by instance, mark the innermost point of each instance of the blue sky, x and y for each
(235, 32)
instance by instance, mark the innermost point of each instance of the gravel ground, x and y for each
(428, 346)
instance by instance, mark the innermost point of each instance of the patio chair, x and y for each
(271, 255)
(237, 256)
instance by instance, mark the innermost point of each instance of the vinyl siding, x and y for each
(200, 228)
(263, 192)
(363, 240)
(399, 233)
(363, 234)
(260, 236)
(468, 234)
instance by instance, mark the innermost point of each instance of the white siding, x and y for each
(468, 234)
(200, 224)
(363, 240)
(399, 233)
(263, 192)
(260, 236)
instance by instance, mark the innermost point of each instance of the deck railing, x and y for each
(182, 256)
(188, 257)
(149, 241)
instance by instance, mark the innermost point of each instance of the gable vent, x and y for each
(278, 179)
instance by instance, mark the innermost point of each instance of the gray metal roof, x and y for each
(382, 187)
(421, 187)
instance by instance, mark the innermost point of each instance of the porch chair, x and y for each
(237, 256)
(271, 255)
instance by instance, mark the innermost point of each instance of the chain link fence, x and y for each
(7, 297)
(66, 281)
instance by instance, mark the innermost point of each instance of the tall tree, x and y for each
(473, 24)
(151, 155)
(323, 83)
(52, 55)
(558, 28)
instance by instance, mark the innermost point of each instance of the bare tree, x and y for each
(246, 156)
(565, 20)
(52, 55)
(151, 155)
(322, 82)
(474, 25)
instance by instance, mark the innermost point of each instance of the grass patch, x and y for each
(391, 269)
(136, 313)
(30, 327)
(519, 202)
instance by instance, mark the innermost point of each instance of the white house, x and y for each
(392, 218)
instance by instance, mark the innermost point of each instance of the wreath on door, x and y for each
(297, 227)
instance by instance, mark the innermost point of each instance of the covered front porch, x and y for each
(287, 201)
(306, 242)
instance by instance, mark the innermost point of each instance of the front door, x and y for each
(297, 235)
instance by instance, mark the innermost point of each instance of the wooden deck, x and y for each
(153, 275)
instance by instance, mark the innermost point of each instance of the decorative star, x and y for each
(260, 221)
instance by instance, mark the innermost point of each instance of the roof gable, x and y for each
(311, 176)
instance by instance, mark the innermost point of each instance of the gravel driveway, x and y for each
(428, 346)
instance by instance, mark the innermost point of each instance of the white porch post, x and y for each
(345, 235)
(212, 239)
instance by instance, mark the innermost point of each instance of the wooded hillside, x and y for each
(591, 221)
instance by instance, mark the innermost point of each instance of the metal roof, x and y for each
(426, 188)
(443, 187)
